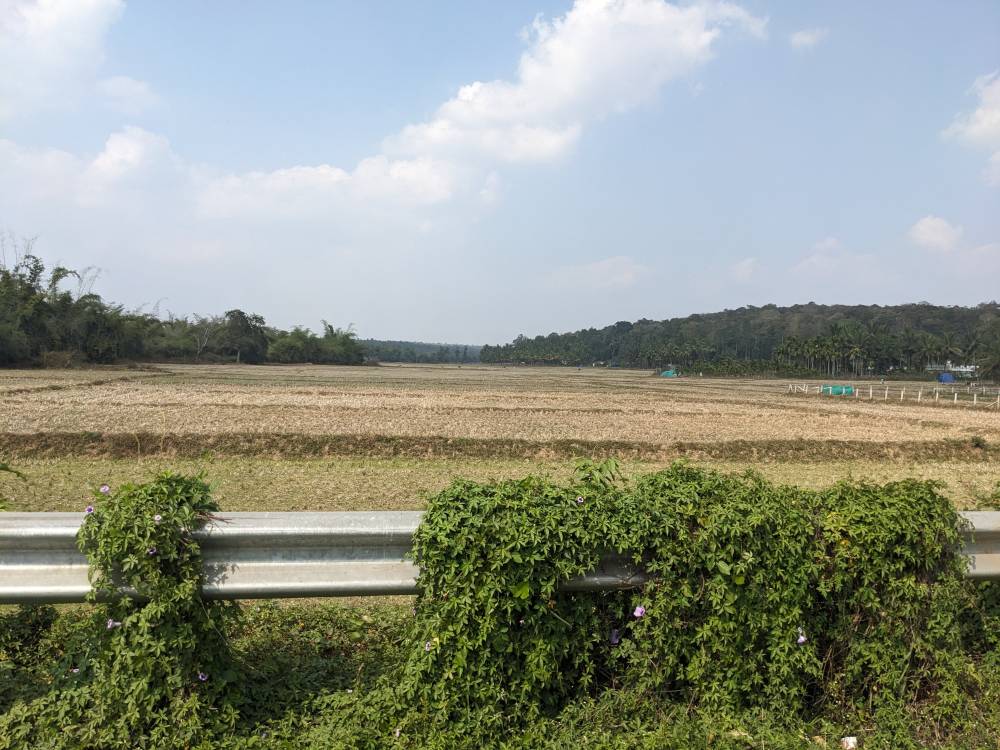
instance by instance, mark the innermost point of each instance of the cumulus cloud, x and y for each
(50, 51)
(134, 203)
(311, 190)
(618, 272)
(980, 128)
(806, 38)
(602, 57)
(934, 233)
(128, 95)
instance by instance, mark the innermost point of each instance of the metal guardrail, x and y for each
(280, 555)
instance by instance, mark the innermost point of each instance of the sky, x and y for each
(469, 171)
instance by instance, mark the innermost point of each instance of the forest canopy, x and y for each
(855, 340)
(45, 320)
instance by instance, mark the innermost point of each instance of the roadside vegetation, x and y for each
(778, 616)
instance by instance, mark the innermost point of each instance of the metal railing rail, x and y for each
(281, 555)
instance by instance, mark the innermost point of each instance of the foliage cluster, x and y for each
(41, 321)
(419, 352)
(800, 603)
(156, 669)
(774, 614)
(830, 339)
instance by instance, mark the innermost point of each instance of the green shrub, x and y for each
(155, 670)
(775, 617)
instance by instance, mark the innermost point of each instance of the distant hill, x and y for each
(419, 351)
(832, 339)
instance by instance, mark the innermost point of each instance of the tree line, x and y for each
(42, 322)
(420, 352)
(833, 340)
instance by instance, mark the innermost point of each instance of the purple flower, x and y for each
(579, 500)
(427, 646)
(75, 670)
(112, 624)
(202, 677)
(802, 637)
(104, 489)
(89, 509)
(151, 551)
(615, 637)
(639, 611)
(157, 518)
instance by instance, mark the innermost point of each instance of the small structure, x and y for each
(945, 377)
(838, 390)
(668, 374)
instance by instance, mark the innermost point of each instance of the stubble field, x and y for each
(337, 438)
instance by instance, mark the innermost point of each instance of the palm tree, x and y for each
(988, 355)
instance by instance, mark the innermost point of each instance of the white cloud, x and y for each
(128, 95)
(981, 127)
(743, 270)
(806, 38)
(602, 57)
(618, 272)
(315, 190)
(935, 233)
(135, 204)
(50, 51)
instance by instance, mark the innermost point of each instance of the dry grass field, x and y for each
(299, 437)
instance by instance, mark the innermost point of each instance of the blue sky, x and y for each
(469, 171)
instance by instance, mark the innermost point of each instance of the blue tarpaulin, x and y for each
(946, 377)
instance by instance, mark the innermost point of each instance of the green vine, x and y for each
(156, 671)
(797, 602)
(768, 607)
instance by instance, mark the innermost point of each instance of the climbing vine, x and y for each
(156, 671)
(843, 607)
(762, 596)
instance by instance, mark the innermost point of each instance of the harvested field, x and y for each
(335, 438)
(538, 405)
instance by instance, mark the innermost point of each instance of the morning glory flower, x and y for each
(89, 509)
(112, 623)
(157, 518)
(202, 677)
(639, 611)
(579, 500)
(427, 646)
(75, 670)
(802, 637)
(104, 489)
(615, 637)
(151, 551)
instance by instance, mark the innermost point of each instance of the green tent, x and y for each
(838, 390)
